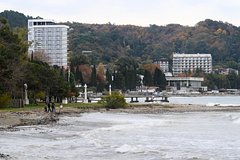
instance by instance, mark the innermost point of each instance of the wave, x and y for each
(130, 149)
(234, 118)
(135, 149)
(222, 105)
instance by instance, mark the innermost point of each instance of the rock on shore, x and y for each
(9, 120)
(4, 156)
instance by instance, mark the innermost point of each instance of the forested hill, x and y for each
(220, 39)
(15, 19)
(109, 42)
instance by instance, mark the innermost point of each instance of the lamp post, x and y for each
(69, 74)
(26, 100)
(141, 77)
(110, 89)
(78, 86)
(85, 94)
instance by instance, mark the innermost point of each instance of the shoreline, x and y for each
(9, 121)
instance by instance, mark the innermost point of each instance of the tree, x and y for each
(111, 42)
(119, 81)
(159, 79)
(86, 73)
(127, 70)
(147, 79)
(100, 77)
(218, 81)
(12, 60)
(113, 101)
(15, 19)
(198, 73)
(79, 76)
(233, 80)
(41, 77)
(94, 77)
(131, 79)
(108, 77)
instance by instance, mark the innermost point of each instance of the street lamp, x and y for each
(85, 94)
(141, 81)
(110, 89)
(69, 74)
(26, 100)
(78, 86)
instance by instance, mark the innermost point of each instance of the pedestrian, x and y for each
(60, 107)
(53, 107)
(45, 108)
(49, 107)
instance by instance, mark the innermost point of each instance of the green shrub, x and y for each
(5, 100)
(41, 95)
(113, 101)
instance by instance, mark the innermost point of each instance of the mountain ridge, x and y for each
(109, 42)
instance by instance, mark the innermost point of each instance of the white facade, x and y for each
(48, 38)
(191, 62)
(163, 64)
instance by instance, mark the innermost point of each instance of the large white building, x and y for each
(163, 64)
(191, 62)
(49, 39)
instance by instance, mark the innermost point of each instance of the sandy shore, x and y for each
(9, 120)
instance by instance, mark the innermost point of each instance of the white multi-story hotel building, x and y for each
(49, 39)
(191, 62)
(163, 64)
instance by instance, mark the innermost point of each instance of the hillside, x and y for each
(15, 19)
(222, 40)
(109, 42)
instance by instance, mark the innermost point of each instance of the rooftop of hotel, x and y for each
(191, 55)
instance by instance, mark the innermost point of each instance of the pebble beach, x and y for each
(10, 120)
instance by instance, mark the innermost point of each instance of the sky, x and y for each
(134, 12)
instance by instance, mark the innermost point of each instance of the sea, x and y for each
(124, 136)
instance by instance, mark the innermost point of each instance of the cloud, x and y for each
(137, 12)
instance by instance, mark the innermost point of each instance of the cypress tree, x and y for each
(159, 79)
(108, 77)
(79, 77)
(119, 81)
(147, 79)
(94, 77)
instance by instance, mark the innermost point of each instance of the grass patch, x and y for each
(83, 105)
(31, 107)
(40, 107)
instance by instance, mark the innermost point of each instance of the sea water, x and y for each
(123, 136)
(202, 100)
(208, 100)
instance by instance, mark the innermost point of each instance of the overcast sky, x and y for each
(135, 12)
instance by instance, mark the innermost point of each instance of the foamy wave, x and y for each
(130, 149)
(235, 119)
(229, 105)
(93, 138)
(212, 104)
(145, 149)
(222, 105)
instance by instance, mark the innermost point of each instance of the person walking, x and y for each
(49, 107)
(53, 107)
(60, 107)
(46, 107)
